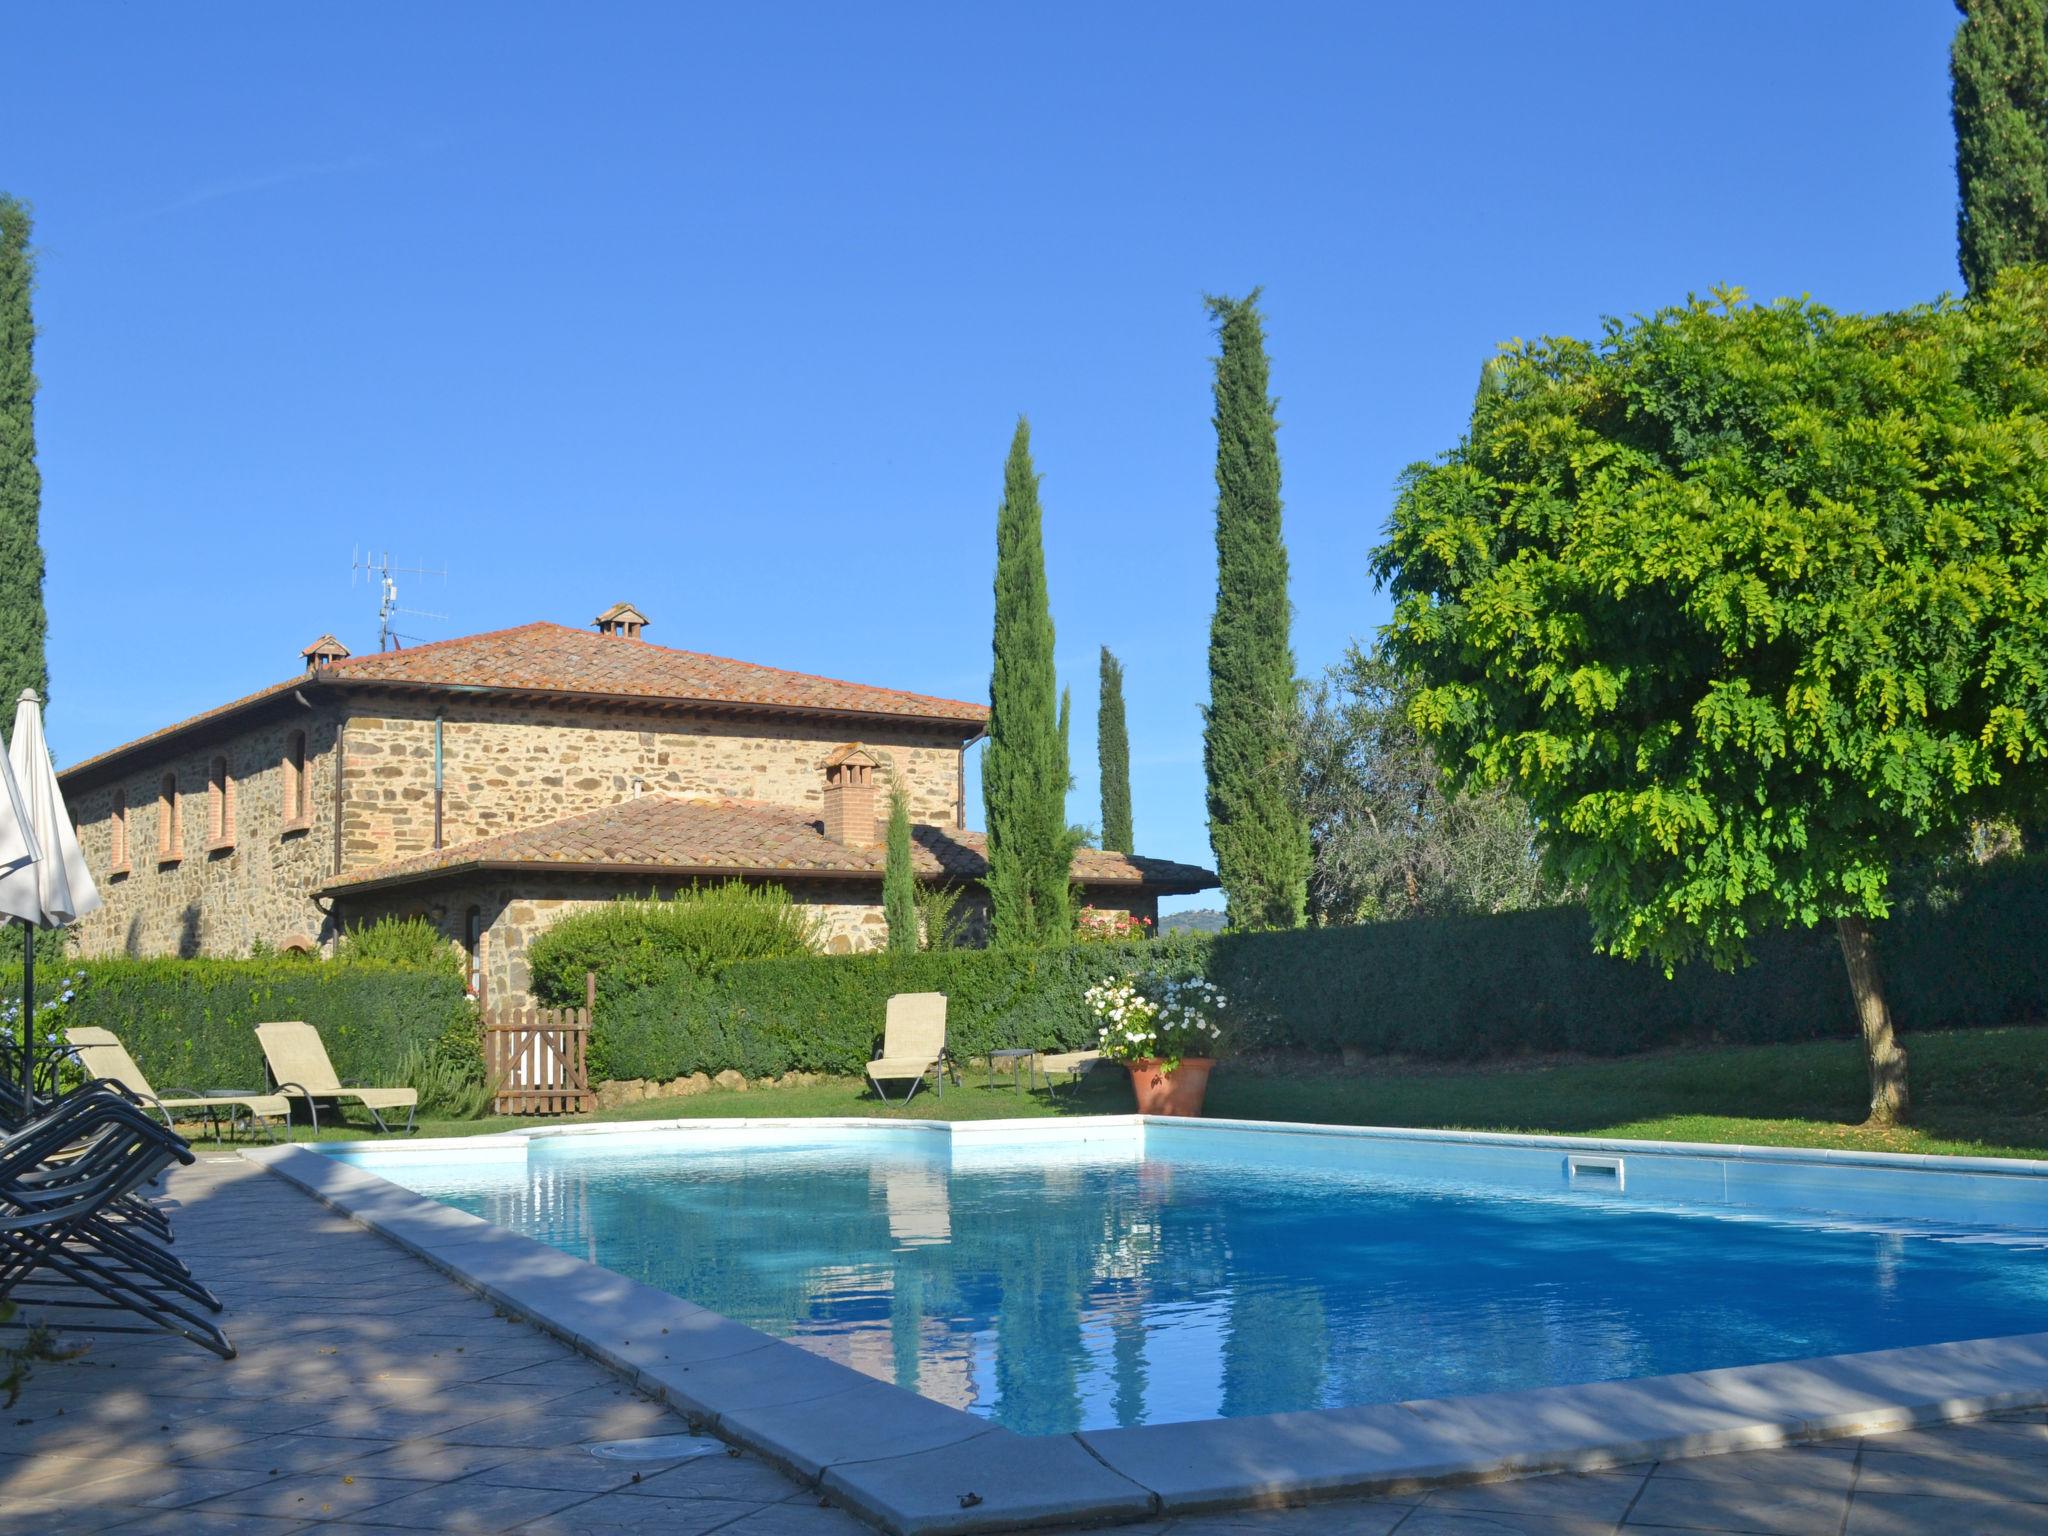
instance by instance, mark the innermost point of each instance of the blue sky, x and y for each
(729, 312)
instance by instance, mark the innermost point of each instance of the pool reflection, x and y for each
(1098, 1288)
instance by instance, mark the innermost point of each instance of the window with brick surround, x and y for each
(220, 805)
(117, 830)
(298, 794)
(170, 821)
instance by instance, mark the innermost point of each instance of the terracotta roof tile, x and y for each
(664, 832)
(552, 658)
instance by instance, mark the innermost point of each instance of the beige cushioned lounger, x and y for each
(913, 1043)
(298, 1061)
(105, 1056)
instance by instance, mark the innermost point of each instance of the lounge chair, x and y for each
(913, 1043)
(64, 1180)
(103, 1056)
(1073, 1062)
(299, 1068)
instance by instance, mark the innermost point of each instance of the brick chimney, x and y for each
(323, 652)
(623, 620)
(850, 796)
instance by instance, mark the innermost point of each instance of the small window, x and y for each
(220, 805)
(117, 835)
(170, 821)
(298, 797)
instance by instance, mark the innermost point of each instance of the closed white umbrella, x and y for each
(52, 888)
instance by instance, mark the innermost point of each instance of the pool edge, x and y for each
(891, 1455)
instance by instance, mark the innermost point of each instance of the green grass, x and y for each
(1977, 1092)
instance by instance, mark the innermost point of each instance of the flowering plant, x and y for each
(1157, 1018)
(49, 1014)
(1098, 925)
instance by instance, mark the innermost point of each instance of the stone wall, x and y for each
(508, 767)
(501, 770)
(207, 900)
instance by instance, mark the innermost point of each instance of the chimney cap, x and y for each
(323, 652)
(852, 752)
(621, 619)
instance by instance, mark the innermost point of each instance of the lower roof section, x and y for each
(669, 835)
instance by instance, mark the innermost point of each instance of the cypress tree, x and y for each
(1113, 756)
(1024, 769)
(1998, 68)
(899, 881)
(1249, 749)
(22, 618)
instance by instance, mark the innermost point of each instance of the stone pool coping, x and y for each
(920, 1468)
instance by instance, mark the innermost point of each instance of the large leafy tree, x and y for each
(1024, 771)
(1998, 69)
(1113, 755)
(1749, 604)
(22, 617)
(1248, 745)
(1389, 839)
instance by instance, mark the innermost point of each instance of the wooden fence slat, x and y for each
(540, 1060)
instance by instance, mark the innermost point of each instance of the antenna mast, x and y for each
(378, 571)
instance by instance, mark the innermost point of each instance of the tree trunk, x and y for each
(1888, 1099)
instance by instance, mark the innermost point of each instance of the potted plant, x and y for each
(1164, 1030)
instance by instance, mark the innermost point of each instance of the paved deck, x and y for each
(374, 1394)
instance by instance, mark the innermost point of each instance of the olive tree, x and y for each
(1748, 603)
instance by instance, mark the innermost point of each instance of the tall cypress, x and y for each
(1024, 769)
(1998, 68)
(22, 618)
(1113, 756)
(1249, 751)
(899, 881)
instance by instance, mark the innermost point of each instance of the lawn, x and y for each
(1978, 1092)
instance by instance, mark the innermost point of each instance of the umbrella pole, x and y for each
(28, 1017)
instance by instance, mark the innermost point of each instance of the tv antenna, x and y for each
(378, 571)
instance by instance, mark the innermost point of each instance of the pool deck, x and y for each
(375, 1393)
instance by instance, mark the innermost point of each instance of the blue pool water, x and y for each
(1059, 1288)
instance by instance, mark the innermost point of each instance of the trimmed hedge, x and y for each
(823, 1013)
(190, 1023)
(1453, 989)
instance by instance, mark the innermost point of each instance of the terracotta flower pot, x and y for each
(1179, 1092)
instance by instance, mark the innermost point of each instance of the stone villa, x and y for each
(494, 782)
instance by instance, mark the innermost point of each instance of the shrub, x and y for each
(398, 941)
(1446, 989)
(448, 1073)
(632, 944)
(190, 1023)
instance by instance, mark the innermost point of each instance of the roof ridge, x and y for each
(735, 661)
(413, 650)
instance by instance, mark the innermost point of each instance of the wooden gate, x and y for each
(539, 1059)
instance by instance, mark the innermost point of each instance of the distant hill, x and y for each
(1200, 920)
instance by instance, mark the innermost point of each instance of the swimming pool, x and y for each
(1139, 1273)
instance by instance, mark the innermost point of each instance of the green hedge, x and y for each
(1455, 989)
(190, 1023)
(823, 1013)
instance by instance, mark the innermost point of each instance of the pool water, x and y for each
(1086, 1286)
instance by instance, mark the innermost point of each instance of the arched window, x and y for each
(170, 821)
(220, 805)
(473, 941)
(298, 794)
(117, 835)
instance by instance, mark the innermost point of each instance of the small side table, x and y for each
(1024, 1061)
